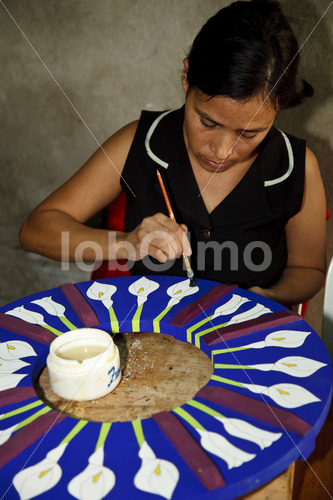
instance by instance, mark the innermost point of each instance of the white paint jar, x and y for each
(83, 364)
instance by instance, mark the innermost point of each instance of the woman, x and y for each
(249, 200)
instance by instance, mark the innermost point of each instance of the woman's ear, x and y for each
(184, 76)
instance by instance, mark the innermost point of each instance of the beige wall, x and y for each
(73, 72)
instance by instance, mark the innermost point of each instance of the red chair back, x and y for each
(112, 218)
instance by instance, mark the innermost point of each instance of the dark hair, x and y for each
(248, 49)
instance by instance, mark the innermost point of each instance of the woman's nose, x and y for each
(222, 146)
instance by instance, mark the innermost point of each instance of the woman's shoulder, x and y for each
(312, 170)
(123, 136)
(143, 129)
(152, 120)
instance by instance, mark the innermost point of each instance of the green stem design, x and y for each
(113, 320)
(208, 330)
(205, 409)
(231, 349)
(68, 323)
(53, 330)
(137, 426)
(212, 328)
(227, 381)
(195, 327)
(136, 319)
(76, 429)
(33, 417)
(156, 321)
(234, 367)
(22, 409)
(105, 427)
(189, 419)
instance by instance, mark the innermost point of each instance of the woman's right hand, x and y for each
(157, 236)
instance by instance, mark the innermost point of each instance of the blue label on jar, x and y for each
(114, 375)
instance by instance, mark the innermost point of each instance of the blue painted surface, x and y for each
(121, 447)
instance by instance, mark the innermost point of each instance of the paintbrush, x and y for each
(190, 273)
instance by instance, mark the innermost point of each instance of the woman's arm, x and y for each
(306, 244)
(56, 228)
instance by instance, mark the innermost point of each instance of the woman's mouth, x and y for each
(217, 166)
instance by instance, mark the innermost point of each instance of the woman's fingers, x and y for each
(160, 237)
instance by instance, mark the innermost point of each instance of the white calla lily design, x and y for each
(218, 445)
(95, 481)
(142, 288)
(54, 309)
(225, 309)
(237, 427)
(242, 429)
(177, 292)
(102, 292)
(5, 434)
(254, 312)
(180, 290)
(16, 349)
(289, 339)
(231, 306)
(41, 477)
(32, 317)
(29, 316)
(11, 366)
(50, 306)
(286, 338)
(285, 395)
(296, 366)
(155, 475)
(10, 380)
(212, 441)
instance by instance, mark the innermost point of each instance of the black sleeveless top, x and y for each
(242, 240)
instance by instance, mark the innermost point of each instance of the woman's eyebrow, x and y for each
(202, 114)
(254, 130)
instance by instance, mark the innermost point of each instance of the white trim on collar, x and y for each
(291, 163)
(148, 137)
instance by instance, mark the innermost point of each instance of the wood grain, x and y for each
(158, 373)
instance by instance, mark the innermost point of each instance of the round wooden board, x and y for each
(158, 373)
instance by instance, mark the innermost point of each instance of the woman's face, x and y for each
(221, 132)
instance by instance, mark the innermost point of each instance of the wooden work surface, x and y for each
(158, 373)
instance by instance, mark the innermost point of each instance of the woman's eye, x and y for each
(207, 124)
(246, 136)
